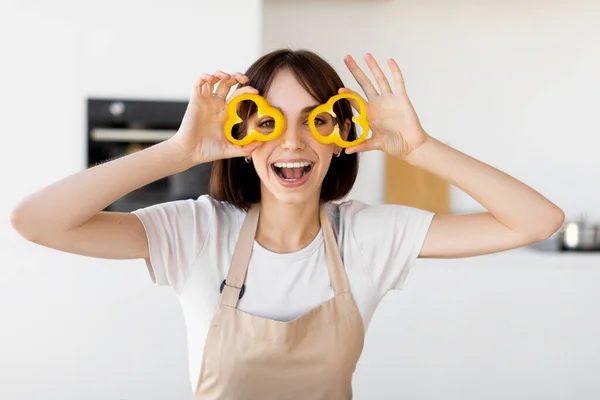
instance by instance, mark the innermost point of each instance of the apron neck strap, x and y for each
(337, 272)
(243, 250)
(241, 257)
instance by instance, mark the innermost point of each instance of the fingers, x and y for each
(378, 74)
(227, 81)
(383, 83)
(397, 74)
(221, 76)
(204, 84)
(361, 78)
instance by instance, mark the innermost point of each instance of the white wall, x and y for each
(512, 83)
(72, 327)
(516, 85)
(519, 326)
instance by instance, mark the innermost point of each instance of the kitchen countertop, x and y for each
(528, 255)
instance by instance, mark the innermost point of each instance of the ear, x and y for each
(345, 129)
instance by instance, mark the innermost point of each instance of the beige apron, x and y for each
(311, 357)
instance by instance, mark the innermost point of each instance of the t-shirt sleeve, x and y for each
(389, 237)
(176, 232)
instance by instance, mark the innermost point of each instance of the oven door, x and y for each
(113, 143)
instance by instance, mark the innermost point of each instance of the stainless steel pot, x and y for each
(579, 236)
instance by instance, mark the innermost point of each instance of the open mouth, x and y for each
(292, 173)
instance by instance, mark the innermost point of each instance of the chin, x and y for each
(293, 199)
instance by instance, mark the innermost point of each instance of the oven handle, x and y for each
(131, 135)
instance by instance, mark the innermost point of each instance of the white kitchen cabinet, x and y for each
(519, 325)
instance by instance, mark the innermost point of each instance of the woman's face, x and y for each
(292, 167)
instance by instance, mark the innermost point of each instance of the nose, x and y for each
(292, 138)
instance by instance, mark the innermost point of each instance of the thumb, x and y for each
(243, 90)
(352, 101)
(368, 145)
(233, 150)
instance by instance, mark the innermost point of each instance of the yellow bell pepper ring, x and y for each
(264, 109)
(334, 136)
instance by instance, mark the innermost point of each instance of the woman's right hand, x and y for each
(201, 133)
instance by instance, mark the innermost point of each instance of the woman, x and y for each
(277, 281)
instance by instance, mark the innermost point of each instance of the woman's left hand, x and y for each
(395, 126)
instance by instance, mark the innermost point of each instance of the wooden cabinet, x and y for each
(407, 185)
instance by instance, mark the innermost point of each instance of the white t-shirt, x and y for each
(191, 243)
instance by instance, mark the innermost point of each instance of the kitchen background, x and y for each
(512, 83)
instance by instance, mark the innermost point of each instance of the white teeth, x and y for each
(292, 165)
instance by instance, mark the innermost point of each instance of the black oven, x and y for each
(118, 127)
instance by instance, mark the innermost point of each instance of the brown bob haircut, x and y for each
(234, 180)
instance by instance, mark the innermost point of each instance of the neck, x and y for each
(287, 227)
